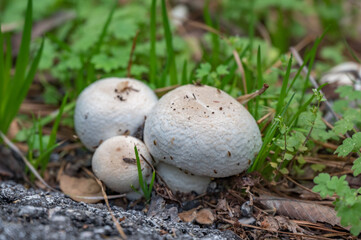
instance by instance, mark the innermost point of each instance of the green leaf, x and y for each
(284, 171)
(138, 70)
(348, 92)
(204, 70)
(321, 180)
(356, 167)
(318, 167)
(273, 164)
(288, 156)
(351, 215)
(124, 30)
(49, 53)
(346, 147)
(104, 62)
(222, 70)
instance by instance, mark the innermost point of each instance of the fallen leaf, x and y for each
(301, 210)
(205, 216)
(80, 189)
(188, 216)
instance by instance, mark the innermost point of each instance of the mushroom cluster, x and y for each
(202, 132)
(108, 114)
(193, 134)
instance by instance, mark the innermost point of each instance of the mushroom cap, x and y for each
(182, 181)
(114, 163)
(203, 130)
(111, 107)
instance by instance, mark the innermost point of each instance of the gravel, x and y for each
(36, 214)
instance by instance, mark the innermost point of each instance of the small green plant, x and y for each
(41, 146)
(14, 87)
(348, 200)
(146, 189)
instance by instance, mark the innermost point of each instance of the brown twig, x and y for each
(299, 185)
(259, 121)
(117, 225)
(245, 98)
(161, 91)
(25, 160)
(131, 55)
(241, 70)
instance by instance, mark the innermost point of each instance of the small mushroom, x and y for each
(111, 107)
(114, 163)
(203, 131)
(178, 180)
(348, 73)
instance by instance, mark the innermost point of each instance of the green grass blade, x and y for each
(151, 185)
(104, 31)
(312, 57)
(227, 79)
(259, 81)
(351, 51)
(184, 73)
(251, 30)
(8, 59)
(21, 92)
(169, 43)
(296, 76)
(2, 74)
(283, 92)
(215, 37)
(2, 59)
(23, 56)
(140, 174)
(153, 40)
(259, 161)
(54, 130)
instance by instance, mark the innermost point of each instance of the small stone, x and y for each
(86, 235)
(58, 219)
(156, 206)
(248, 221)
(31, 211)
(246, 209)
(188, 205)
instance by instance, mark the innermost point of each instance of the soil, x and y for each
(37, 214)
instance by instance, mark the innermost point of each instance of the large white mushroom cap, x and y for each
(202, 130)
(111, 107)
(114, 163)
(182, 181)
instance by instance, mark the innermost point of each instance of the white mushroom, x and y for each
(202, 130)
(182, 181)
(114, 163)
(348, 73)
(111, 107)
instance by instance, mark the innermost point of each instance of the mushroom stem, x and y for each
(182, 181)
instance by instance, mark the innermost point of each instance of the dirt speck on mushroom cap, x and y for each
(203, 129)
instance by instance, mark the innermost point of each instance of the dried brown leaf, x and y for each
(301, 210)
(205, 216)
(80, 189)
(188, 216)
